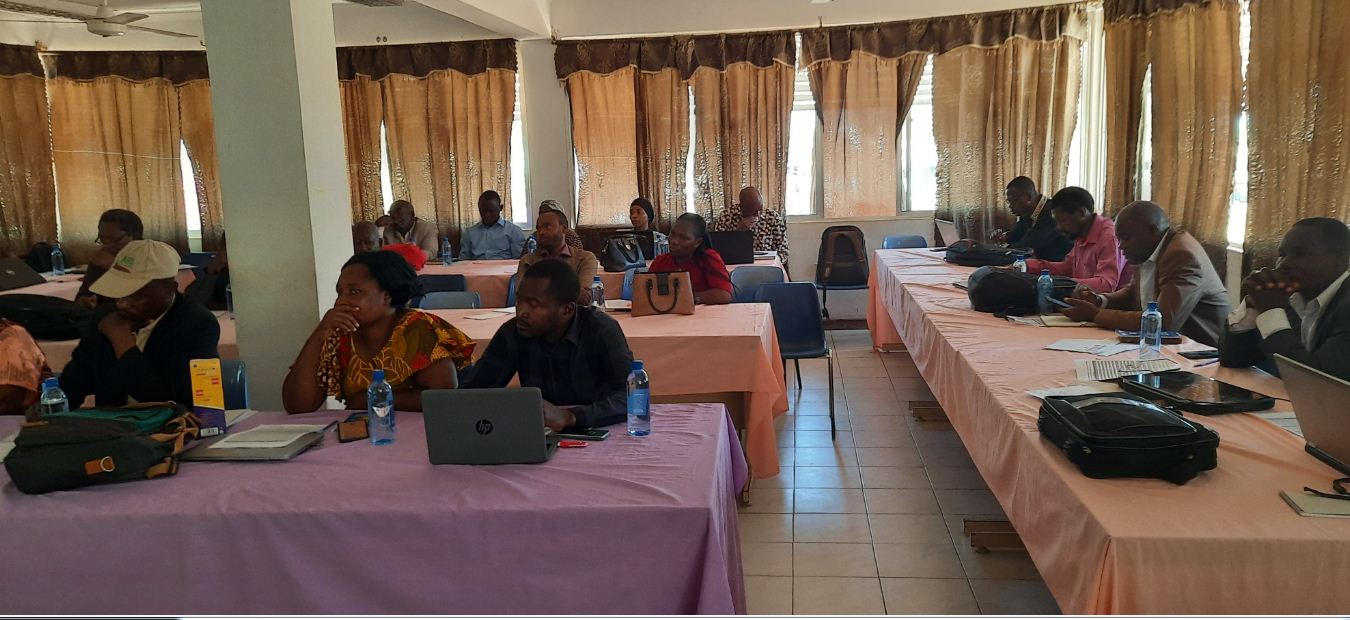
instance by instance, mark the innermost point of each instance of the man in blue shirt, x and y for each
(494, 238)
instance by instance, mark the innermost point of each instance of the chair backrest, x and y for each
(451, 300)
(796, 315)
(745, 281)
(198, 259)
(626, 293)
(445, 283)
(842, 259)
(896, 242)
(234, 381)
(511, 292)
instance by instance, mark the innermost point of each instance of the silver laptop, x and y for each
(947, 232)
(1319, 404)
(486, 427)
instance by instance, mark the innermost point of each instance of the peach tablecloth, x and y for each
(58, 352)
(731, 348)
(490, 278)
(1225, 543)
(68, 285)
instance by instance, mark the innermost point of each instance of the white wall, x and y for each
(804, 241)
(547, 123)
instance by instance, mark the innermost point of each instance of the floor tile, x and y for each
(833, 560)
(866, 371)
(830, 500)
(908, 528)
(768, 596)
(945, 457)
(823, 457)
(1013, 597)
(822, 596)
(842, 477)
(955, 478)
(774, 559)
(786, 457)
(934, 560)
(769, 501)
(823, 439)
(784, 480)
(756, 527)
(933, 597)
(786, 439)
(878, 438)
(894, 477)
(997, 564)
(887, 409)
(881, 395)
(873, 383)
(831, 528)
(900, 501)
(909, 383)
(889, 457)
(822, 422)
(878, 423)
(968, 502)
(821, 408)
(810, 395)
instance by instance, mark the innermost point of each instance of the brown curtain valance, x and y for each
(943, 34)
(176, 67)
(19, 60)
(686, 53)
(1117, 10)
(419, 60)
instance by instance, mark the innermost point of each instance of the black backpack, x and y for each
(842, 259)
(45, 317)
(971, 254)
(1007, 292)
(39, 257)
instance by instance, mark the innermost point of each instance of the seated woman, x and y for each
(22, 368)
(371, 327)
(689, 252)
(642, 215)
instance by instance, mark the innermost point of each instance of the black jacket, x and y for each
(1331, 341)
(188, 331)
(1041, 236)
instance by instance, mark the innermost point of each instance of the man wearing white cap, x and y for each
(138, 349)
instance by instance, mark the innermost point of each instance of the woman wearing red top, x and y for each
(689, 252)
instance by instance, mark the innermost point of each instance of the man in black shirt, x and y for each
(1035, 229)
(576, 355)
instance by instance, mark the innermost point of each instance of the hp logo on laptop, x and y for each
(484, 427)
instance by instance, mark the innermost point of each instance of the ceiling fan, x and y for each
(105, 22)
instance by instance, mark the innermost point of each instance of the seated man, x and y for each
(1301, 308)
(1171, 269)
(139, 348)
(573, 239)
(769, 226)
(212, 289)
(405, 227)
(22, 367)
(492, 238)
(576, 355)
(1095, 261)
(1035, 230)
(116, 228)
(551, 228)
(365, 237)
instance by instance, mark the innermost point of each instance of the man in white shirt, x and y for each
(1301, 308)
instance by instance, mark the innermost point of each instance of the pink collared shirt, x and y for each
(1095, 260)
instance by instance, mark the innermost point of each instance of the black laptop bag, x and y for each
(45, 317)
(1125, 436)
(971, 254)
(1010, 293)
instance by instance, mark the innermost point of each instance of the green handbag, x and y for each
(146, 417)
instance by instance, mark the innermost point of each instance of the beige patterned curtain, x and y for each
(1299, 108)
(604, 135)
(1005, 110)
(362, 113)
(663, 143)
(27, 191)
(116, 142)
(199, 134)
(862, 97)
(1126, 65)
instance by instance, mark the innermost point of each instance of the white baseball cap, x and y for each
(138, 264)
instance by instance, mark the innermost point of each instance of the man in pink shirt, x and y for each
(1095, 260)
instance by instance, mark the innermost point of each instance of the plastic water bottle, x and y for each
(380, 406)
(447, 255)
(639, 401)
(663, 246)
(1021, 263)
(58, 260)
(1150, 333)
(53, 398)
(1045, 288)
(598, 293)
(531, 245)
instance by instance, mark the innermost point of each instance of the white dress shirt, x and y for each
(1148, 275)
(1275, 320)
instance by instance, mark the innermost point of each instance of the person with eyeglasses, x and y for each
(116, 228)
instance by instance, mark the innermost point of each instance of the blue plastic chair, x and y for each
(451, 300)
(446, 283)
(800, 328)
(626, 292)
(745, 281)
(511, 292)
(199, 261)
(234, 381)
(897, 242)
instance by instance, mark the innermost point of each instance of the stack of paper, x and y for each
(1105, 370)
(1077, 389)
(1102, 348)
(1049, 320)
(269, 436)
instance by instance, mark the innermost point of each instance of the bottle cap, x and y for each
(597, 279)
(637, 364)
(1152, 305)
(1021, 257)
(50, 382)
(1045, 272)
(376, 375)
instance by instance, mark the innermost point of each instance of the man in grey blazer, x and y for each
(1299, 309)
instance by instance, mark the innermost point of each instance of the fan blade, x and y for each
(125, 18)
(39, 21)
(19, 7)
(167, 33)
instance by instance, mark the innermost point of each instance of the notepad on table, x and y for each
(1309, 505)
(268, 436)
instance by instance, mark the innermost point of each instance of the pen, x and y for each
(1206, 363)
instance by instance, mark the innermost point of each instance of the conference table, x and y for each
(1224, 543)
(629, 526)
(68, 285)
(491, 278)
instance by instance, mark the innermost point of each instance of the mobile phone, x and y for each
(590, 434)
(1057, 302)
(1207, 354)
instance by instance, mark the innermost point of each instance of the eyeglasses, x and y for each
(101, 241)
(1337, 485)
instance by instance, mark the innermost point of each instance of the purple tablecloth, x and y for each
(624, 526)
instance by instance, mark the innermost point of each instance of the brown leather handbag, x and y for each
(662, 293)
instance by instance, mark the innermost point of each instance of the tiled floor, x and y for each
(871, 522)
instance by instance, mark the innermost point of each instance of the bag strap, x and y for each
(177, 431)
(674, 297)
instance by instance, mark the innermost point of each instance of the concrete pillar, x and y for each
(283, 174)
(547, 128)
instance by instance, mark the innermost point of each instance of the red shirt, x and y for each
(706, 271)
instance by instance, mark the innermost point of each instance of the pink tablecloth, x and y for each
(490, 278)
(731, 348)
(1225, 543)
(625, 526)
(68, 285)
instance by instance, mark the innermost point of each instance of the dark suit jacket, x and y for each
(1040, 236)
(1331, 341)
(188, 331)
(1190, 293)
